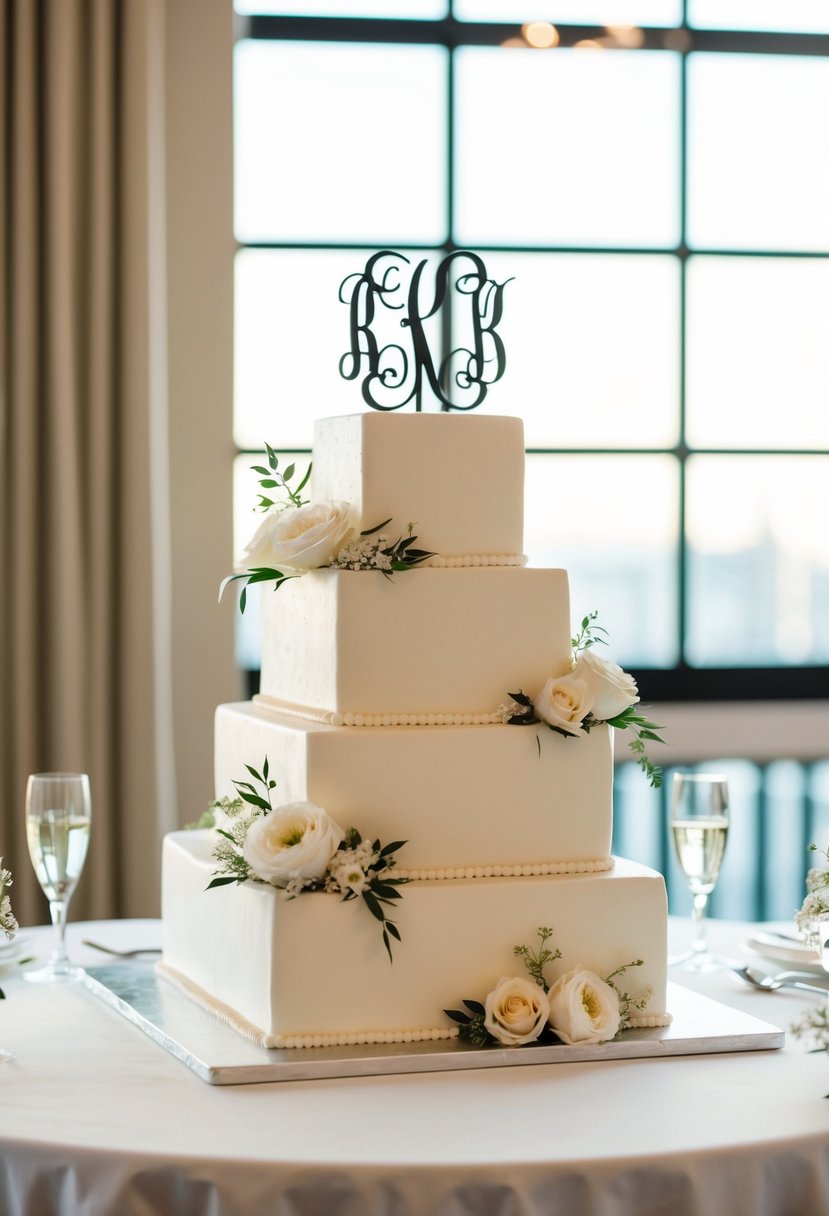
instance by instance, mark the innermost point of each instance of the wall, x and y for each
(200, 352)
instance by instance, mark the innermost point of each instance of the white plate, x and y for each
(793, 954)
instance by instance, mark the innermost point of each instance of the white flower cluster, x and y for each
(815, 905)
(348, 870)
(364, 554)
(8, 924)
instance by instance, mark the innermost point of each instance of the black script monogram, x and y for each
(465, 302)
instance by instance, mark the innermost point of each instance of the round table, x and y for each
(96, 1118)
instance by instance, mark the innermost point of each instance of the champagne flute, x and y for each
(58, 818)
(699, 824)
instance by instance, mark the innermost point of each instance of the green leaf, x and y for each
(304, 481)
(457, 1016)
(385, 890)
(221, 882)
(476, 1007)
(269, 484)
(390, 848)
(289, 472)
(256, 776)
(373, 906)
(376, 528)
(255, 800)
(393, 930)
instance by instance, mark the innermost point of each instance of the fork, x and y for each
(122, 953)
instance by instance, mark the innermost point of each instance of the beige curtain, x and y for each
(84, 535)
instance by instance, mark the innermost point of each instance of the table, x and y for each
(96, 1119)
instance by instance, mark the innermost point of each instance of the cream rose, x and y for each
(564, 702)
(583, 1008)
(297, 840)
(300, 539)
(516, 1011)
(611, 688)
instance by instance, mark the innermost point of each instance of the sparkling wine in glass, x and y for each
(58, 819)
(699, 824)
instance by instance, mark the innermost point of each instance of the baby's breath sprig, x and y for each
(628, 1003)
(381, 553)
(536, 960)
(272, 478)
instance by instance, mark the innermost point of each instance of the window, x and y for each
(657, 184)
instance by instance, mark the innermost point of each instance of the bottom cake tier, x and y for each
(313, 971)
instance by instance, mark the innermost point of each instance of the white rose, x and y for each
(516, 1011)
(612, 689)
(301, 538)
(564, 702)
(297, 840)
(583, 1008)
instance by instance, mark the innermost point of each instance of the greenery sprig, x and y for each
(271, 478)
(586, 636)
(381, 891)
(228, 852)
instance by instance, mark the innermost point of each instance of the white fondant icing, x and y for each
(276, 961)
(425, 641)
(460, 796)
(459, 479)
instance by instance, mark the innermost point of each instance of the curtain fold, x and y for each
(84, 522)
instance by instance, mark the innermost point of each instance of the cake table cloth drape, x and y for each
(95, 1117)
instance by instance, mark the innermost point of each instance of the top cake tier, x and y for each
(458, 478)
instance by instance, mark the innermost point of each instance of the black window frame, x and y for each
(682, 682)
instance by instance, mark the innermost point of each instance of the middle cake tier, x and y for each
(426, 641)
(470, 801)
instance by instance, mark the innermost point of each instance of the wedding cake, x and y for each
(391, 656)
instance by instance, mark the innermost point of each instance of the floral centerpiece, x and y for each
(296, 536)
(298, 847)
(593, 692)
(580, 1007)
(813, 1024)
(8, 924)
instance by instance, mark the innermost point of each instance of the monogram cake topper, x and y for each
(462, 315)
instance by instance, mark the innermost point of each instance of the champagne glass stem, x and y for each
(699, 944)
(57, 911)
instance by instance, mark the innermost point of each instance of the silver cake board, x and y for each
(220, 1056)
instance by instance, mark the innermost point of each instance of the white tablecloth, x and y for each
(95, 1119)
